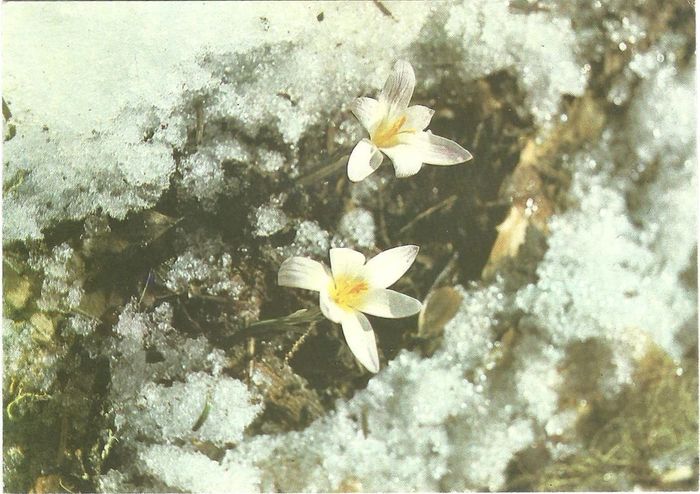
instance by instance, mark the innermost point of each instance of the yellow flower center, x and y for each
(348, 292)
(388, 131)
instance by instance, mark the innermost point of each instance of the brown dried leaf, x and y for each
(47, 483)
(439, 309)
(287, 394)
(17, 290)
(526, 189)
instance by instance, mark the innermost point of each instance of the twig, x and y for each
(11, 264)
(445, 273)
(442, 204)
(191, 320)
(20, 396)
(6, 113)
(323, 171)
(495, 204)
(382, 222)
(199, 123)
(250, 348)
(62, 439)
(297, 345)
(203, 416)
(384, 10)
(145, 287)
(60, 482)
(213, 298)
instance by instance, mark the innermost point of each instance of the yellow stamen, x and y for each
(348, 292)
(387, 132)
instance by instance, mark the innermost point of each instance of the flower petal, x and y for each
(360, 338)
(388, 303)
(398, 88)
(406, 159)
(387, 267)
(302, 272)
(368, 111)
(364, 159)
(329, 308)
(436, 150)
(418, 117)
(346, 261)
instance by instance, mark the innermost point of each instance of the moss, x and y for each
(626, 439)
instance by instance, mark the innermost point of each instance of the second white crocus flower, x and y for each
(352, 287)
(398, 130)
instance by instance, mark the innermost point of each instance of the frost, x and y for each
(539, 47)
(269, 219)
(560, 422)
(363, 192)
(270, 161)
(63, 273)
(194, 472)
(81, 325)
(35, 369)
(201, 405)
(66, 176)
(538, 379)
(630, 286)
(170, 413)
(310, 239)
(204, 266)
(358, 228)
(130, 367)
(203, 177)
(113, 481)
(203, 172)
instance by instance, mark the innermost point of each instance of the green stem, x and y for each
(300, 317)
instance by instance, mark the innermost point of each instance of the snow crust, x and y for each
(103, 138)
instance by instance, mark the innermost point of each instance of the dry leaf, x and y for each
(439, 308)
(526, 189)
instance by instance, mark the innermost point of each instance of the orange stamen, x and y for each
(387, 132)
(348, 292)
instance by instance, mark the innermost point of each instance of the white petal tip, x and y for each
(384, 269)
(398, 88)
(414, 308)
(301, 272)
(412, 248)
(390, 304)
(400, 173)
(360, 338)
(453, 155)
(364, 159)
(436, 150)
(366, 110)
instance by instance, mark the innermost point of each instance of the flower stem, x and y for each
(301, 317)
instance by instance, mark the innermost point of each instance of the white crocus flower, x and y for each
(352, 287)
(398, 130)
